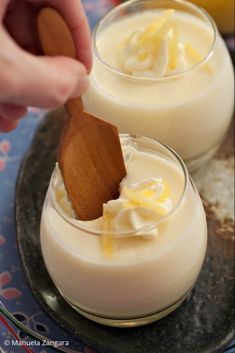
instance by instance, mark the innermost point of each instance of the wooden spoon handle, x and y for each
(56, 40)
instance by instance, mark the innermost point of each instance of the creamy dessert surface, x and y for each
(144, 273)
(133, 247)
(173, 109)
(156, 43)
(191, 31)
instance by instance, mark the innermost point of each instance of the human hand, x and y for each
(28, 78)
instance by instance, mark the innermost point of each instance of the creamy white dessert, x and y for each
(143, 255)
(163, 74)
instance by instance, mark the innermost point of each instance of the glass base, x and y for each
(194, 163)
(131, 321)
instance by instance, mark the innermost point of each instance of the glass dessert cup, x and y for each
(189, 110)
(144, 278)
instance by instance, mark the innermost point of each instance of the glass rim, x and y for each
(193, 68)
(77, 224)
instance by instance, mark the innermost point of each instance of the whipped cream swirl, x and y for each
(138, 206)
(154, 51)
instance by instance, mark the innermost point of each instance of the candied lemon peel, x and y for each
(149, 33)
(145, 45)
(145, 196)
(107, 243)
(150, 195)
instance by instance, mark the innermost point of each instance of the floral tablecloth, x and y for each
(15, 294)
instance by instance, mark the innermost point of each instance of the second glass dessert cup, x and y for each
(143, 279)
(189, 111)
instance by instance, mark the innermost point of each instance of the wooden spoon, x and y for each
(90, 156)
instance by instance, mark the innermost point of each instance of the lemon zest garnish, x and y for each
(153, 35)
(150, 48)
(150, 40)
(138, 197)
(148, 205)
(172, 47)
(151, 29)
(166, 192)
(143, 54)
(195, 56)
(107, 243)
